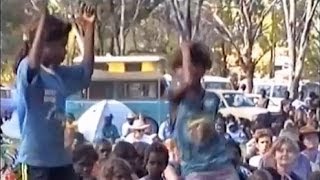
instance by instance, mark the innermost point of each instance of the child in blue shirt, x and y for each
(42, 88)
(202, 151)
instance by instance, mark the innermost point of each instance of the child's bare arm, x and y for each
(177, 92)
(88, 17)
(34, 56)
(186, 62)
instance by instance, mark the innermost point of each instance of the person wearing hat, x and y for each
(310, 139)
(137, 132)
(125, 130)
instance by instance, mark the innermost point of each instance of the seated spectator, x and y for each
(109, 130)
(156, 161)
(221, 129)
(127, 151)
(236, 133)
(103, 147)
(263, 142)
(301, 166)
(310, 138)
(84, 157)
(141, 148)
(165, 131)
(138, 132)
(282, 158)
(125, 127)
(115, 168)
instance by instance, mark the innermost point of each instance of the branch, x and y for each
(229, 36)
(286, 16)
(136, 12)
(188, 21)
(34, 5)
(197, 18)
(263, 54)
(263, 16)
(244, 13)
(177, 14)
(310, 13)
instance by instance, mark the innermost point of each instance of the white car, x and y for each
(272, 107)
(216, 82)
(238, 104)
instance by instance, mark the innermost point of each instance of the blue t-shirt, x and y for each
(110, 132)
(209, 156)
(41, 104)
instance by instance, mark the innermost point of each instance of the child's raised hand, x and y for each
(88, 13)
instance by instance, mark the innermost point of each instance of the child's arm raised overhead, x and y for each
(88, 16)
(34, 56)
(177, 92)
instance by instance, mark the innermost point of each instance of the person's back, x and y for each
(203, 157)
(203, 152)
(263, 102)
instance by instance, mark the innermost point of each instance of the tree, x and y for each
(246, 30)
(186, 26)
(312, 63)
(298, 31)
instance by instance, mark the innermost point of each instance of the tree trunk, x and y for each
(294, 88)
(111, 46)
(271, 63)
(121, 33)
(250, 75)
(224, 71)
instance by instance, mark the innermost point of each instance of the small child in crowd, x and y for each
(84, 158)
(115, 169)
(156, 161)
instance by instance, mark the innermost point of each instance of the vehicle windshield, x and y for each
(267, 88)
(237, 100)
(278, 91)
(217, 85)
(125, 90)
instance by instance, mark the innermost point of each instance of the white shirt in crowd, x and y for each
(297, 104)
(145, 138)
(255, 161)
(125, 129)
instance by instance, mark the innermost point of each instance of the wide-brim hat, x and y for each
(290, 133)
(131, 116)
(139, 124)
(308, 130)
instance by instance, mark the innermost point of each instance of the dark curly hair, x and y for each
(200, 55)
(56, 29)
(84, 152)
(158, 148)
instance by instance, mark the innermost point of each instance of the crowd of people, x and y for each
(196, 143)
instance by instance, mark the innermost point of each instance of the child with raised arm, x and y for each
(42, 88)
(203, 152)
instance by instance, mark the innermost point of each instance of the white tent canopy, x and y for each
(91, 121)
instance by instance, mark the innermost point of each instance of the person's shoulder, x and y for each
(294, 176)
